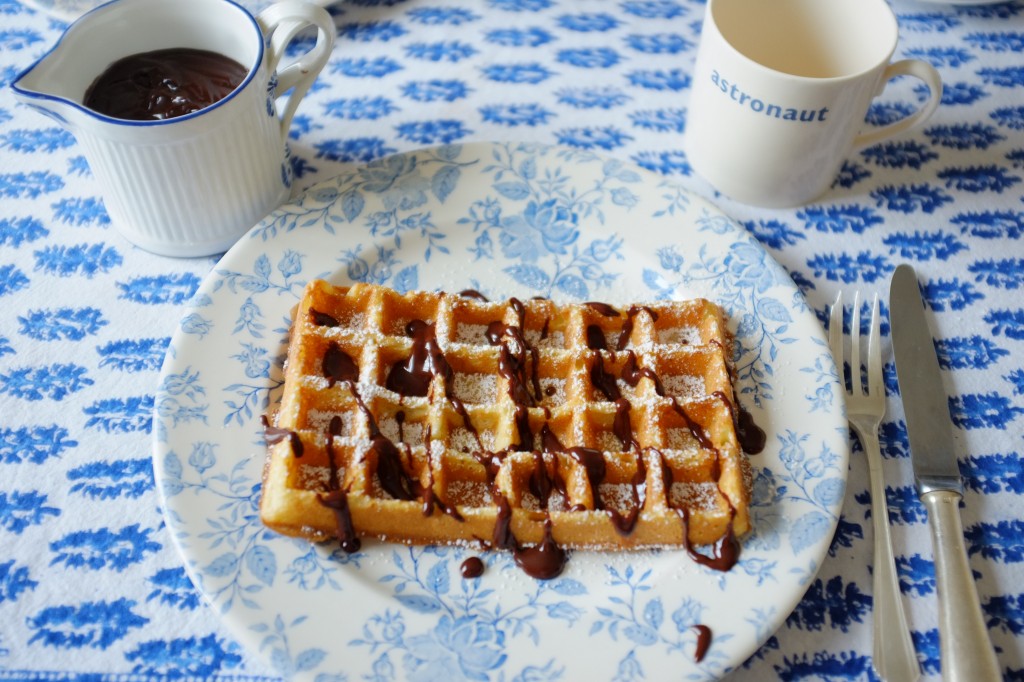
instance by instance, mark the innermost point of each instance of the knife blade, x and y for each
(929, 428)
(965, 651)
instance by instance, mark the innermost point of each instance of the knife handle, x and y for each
(965, 649)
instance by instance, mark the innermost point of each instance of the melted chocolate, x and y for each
(432, 501)
(621, 427)
(593, 464)
(595, 338)
(625, 524)
(336, 499)
(752, 437)
(322, 319)
(602, 308)
(393, 478)
(333, 429)
(695, 429)
(543, 561)
(632, 373)
(472, 567)
(273, 435)
(724, 553)
(540, 483)
(502, 536)
(338, 365)
(412, 376)
(473, 293)
(601, 379)
(162, 84)
(512, 359)
(703, 641)
(627, 326)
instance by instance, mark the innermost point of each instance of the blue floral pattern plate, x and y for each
(506, 220)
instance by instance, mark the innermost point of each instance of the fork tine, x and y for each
(856, 385)
(835, 336)
(875, 386)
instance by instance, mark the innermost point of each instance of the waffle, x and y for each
(437, 418)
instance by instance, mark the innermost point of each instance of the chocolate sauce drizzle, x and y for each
(602, 308)
(518, 365)
(473, 293)
(322, 319)
(272, 435)
(627, 326)
(632, 373)
(412, 377)
(338, 365)
(336, 498)
(725, 552)
(543, 561)
(703, 641)
(595, 338)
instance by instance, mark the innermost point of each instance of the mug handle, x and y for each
(280, 23)
(906, 67)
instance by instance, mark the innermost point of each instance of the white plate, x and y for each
(505, 220)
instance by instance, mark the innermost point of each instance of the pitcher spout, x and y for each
(56, 83)
(34, 88)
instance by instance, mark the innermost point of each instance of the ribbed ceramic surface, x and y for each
(199, 193)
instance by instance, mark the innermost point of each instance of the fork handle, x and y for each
(964, 646)
(893, 653)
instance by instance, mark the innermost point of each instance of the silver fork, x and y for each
(893, 654)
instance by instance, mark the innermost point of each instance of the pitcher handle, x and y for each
(280, 23)
(906, 67)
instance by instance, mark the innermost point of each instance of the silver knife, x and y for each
(965, 650)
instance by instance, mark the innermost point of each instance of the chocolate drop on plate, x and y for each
(163, 84)
(472, 567)
(751, 436)
(703, 641)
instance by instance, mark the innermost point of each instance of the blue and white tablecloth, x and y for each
(90, 584)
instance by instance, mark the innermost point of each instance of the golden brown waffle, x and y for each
(613, 428)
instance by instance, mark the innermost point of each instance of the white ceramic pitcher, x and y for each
(191, 185)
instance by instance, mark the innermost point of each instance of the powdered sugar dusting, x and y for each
(556, 502)
(683, 386)
(471, 333)
(694, 495)
(678, 335)
(607, 441)
(319, 420)
(552, 391)
(618, 496)
(315, 477)
(469, 494)
(474, 388)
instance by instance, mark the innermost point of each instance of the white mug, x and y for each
(190, 185)
(780, 91)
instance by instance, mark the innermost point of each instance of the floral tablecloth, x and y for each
(91, 586)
